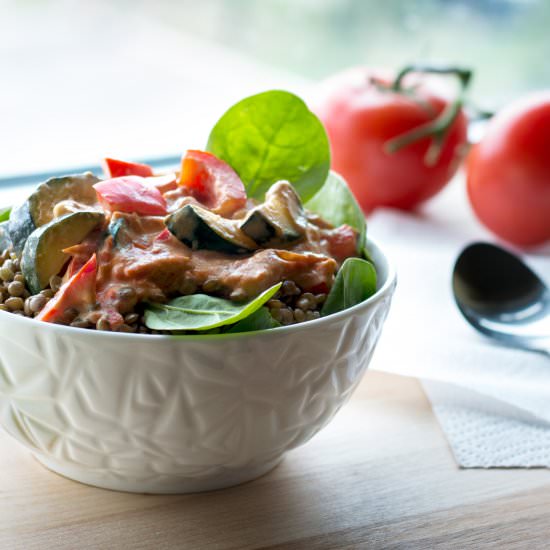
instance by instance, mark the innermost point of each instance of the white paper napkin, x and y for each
(487, 433)
(492, 402)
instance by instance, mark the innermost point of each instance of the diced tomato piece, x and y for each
(163, 235)
(130, 194)
(212, 182)
(342, 242)
(78, 293)
(114, 168)
(164, 183)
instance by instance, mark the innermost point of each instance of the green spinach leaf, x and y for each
(202, 312)
(261, 319)
(273, 136)
(5, 213)
(354, 283)
(336, 204)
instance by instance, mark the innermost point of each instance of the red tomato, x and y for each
(342, 242)
(164, 183)
(78, 293)
(130, 194)
(164, 235)
(115, 168)
(362, 117)
(509, 172)
(212, 182)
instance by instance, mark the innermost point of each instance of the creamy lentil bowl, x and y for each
(223, 244)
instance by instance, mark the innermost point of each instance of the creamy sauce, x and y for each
(140, 260)
(158, 266)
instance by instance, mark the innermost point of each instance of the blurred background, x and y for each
(140, 79)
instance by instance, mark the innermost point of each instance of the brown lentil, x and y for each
(287, 316)
(6, 274)
(16, 288)
(19, 277)
(55, 283)
(36, 303)
(131, 318)
(14, 303)
(299, 315)
(289, 288)
(47, 293)
(305, 302)
(103, 324)
(10, 264)
(128, 298)
(320, 299)
(311, 315)
(69, 315)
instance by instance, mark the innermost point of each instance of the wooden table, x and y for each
(379, 476)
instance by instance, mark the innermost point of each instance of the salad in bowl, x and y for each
(226, 243)
(180, 331)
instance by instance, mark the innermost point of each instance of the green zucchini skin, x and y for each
(114, 229)
(258, 227)
(199, 229)
(20, 226)
(279, 220)
(38, 208)
(43, 255)
(5, 241)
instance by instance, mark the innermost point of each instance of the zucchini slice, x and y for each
(5, 241)
(38, 208)
(279, 220)
(199, 229)
(43, 254)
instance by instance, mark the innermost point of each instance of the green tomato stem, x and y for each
(437, 128)
(464, 75)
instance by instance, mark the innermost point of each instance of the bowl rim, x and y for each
(385, 289)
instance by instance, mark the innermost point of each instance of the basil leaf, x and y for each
(261, 319)
(5, 213)
(202, 312)
(273, 136)
(354, 283)
(335, 203)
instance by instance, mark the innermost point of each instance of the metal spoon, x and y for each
(502, 298)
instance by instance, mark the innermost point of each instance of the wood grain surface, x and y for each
(379, 476)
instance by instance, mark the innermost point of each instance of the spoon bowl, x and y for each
(501, 297)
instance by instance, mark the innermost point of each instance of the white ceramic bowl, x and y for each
(166, 414)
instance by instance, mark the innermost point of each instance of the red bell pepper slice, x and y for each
(78, 293)
(212, 182)
(130, 194)
(114, 168)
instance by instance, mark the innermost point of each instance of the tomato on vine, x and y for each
(397, 142)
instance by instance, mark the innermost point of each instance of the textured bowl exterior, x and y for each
(165, 414)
